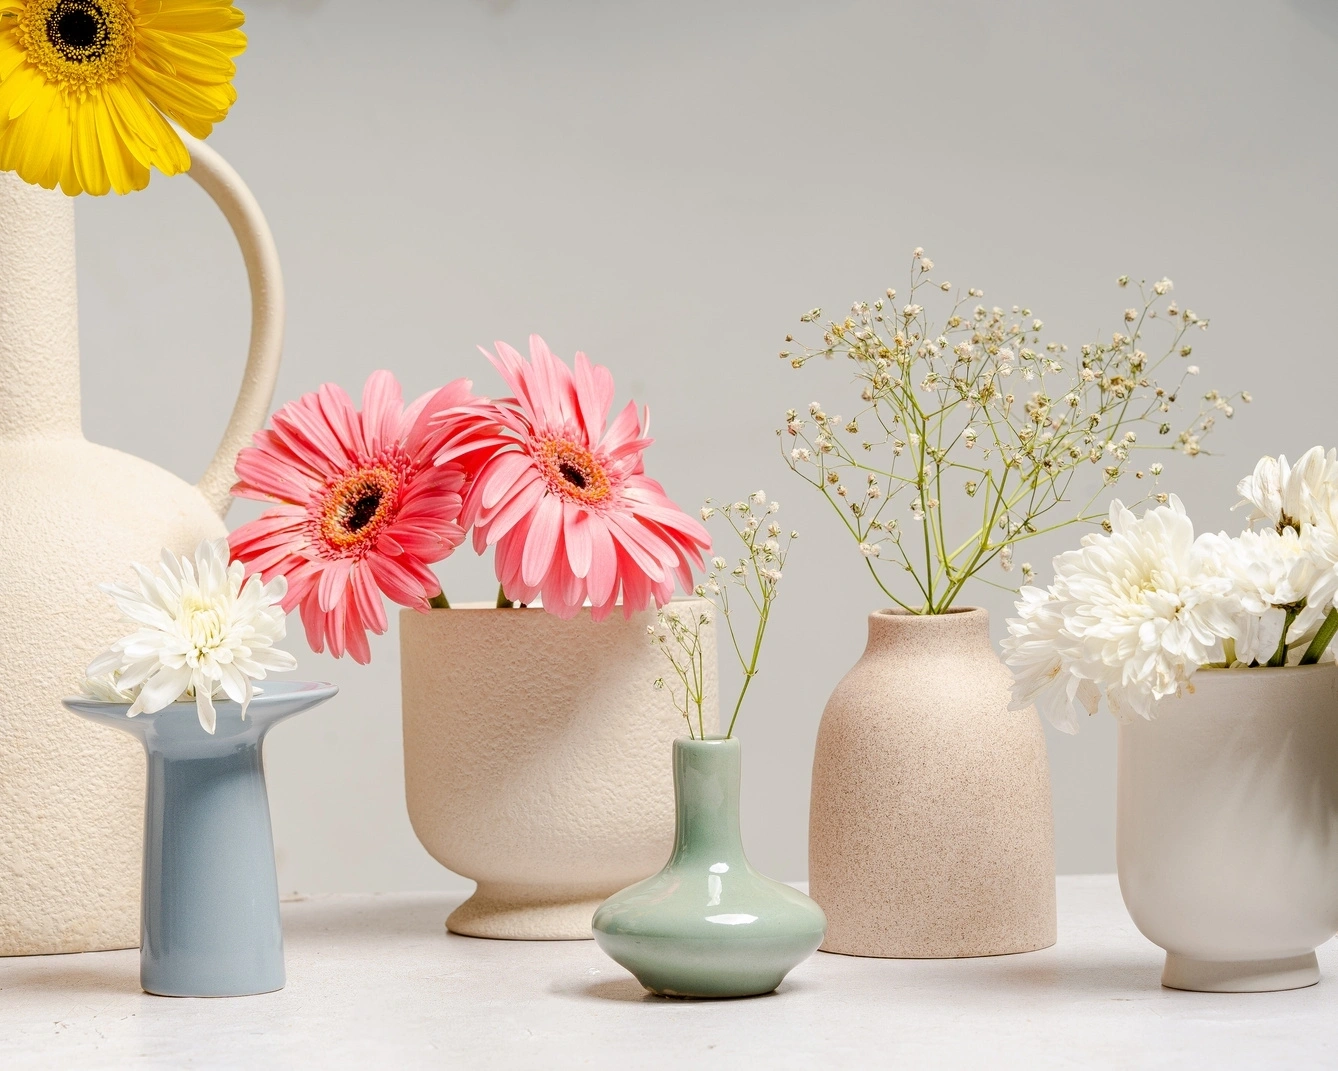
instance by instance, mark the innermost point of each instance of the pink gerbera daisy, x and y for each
(362, 512)
(566, 502)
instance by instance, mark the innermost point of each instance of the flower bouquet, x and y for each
(1215, 654)
(523, 717)
(973, 431)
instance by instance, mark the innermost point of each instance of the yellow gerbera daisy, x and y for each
(85, 86)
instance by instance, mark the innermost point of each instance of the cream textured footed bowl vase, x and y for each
(72, 515)
(534, 760)
(931, 833)
(1227, 827)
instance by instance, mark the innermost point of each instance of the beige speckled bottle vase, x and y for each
(534, 760)
(74, 514)
(931, 833)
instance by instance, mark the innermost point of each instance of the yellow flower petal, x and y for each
(89, 167)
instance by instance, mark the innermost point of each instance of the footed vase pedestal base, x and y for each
(1250, 976)
(511, 913)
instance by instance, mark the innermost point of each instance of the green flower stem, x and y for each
(1322, 639)
(1280, 655)
(503, 603)
(439, 601)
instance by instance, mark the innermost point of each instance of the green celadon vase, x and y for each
(708, 925)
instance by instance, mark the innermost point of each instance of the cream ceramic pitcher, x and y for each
(72, 515)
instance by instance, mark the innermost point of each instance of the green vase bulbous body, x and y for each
(708, 924)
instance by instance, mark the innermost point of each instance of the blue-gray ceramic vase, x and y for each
(209, 912)
(708, 925)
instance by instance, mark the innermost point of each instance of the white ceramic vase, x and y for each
(74, 514)
(534, 760)
(930, 831)
(1227, 827)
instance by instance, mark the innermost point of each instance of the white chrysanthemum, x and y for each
(206, 632)
(1135, 613)
(1273, 573)
(1036, 646)
(1292, 495)
(1145, 610)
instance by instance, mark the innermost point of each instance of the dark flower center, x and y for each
(572, 471)
(360, 513)
(78, 30)
(572, 475)
(356, 506)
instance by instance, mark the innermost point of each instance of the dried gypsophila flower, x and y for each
(759, 572)
(935, 386)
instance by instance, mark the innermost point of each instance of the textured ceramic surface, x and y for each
(931, 832)
(210, 907)
(1227, 827)
(534, 760)
(72, 515)
(708, 924)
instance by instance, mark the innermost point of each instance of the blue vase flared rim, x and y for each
(275, 692)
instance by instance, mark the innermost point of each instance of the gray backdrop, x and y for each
(668, 186)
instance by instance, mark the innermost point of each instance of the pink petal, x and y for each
(521, 504)
(576, 532)
(397, 582)
(368, 600)
(594, 394)
(382, 404)
(497, 479)
(334, 580)
(542, 541)
(602, 580)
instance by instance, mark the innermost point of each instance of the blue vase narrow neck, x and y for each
(706, 795)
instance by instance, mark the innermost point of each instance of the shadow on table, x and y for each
(629, 991)
(87, 974)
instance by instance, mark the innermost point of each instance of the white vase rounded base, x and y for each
(510, 914)
(1239, 976)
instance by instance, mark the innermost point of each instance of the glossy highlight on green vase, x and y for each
(708, 925)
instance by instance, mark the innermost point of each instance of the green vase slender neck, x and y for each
(706, 793)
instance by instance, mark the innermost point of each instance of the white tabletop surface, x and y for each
(374, 981)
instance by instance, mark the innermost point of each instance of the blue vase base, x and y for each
(200, 981)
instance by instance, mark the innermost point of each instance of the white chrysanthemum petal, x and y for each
(165, 685)
(204, 709)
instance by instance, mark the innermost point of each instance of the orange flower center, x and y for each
(356, 506)
(572, 471)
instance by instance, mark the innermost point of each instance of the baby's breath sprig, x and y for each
(981, 413)
(755, 574)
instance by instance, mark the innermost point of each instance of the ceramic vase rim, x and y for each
(275, 692)
(951, 611)
(699, 741)
(487, 606)
(1221, 681)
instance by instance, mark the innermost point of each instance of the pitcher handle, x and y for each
(217, 178)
